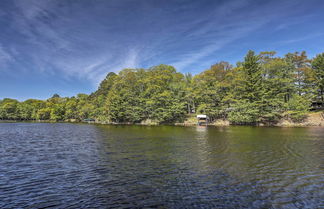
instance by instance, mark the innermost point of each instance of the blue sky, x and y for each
(67, 47)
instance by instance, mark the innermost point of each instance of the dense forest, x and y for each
(263, 88)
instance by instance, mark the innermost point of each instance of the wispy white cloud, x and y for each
(5, 56)
(227, 37)
(232, 21)
(98, 72)
(300, 39)
(61, 45)
(220, 30)
(88, 39)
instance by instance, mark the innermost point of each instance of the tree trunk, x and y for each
(193, 106)
(322, 97)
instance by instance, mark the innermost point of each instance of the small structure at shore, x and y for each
(202, 120)
(89, 120)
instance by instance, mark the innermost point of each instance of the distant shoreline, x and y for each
(313, 120)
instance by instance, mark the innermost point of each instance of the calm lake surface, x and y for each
(99, 166)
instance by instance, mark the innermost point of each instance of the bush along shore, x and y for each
(263, 89)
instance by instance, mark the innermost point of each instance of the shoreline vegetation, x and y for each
(312, 119)
(262, 90)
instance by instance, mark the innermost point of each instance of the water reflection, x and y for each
(68, 165)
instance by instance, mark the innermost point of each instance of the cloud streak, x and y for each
(84, 40)
(5, 57)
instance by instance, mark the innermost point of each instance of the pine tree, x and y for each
(318, 67)
(248, 92)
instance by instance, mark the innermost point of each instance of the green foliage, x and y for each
(57, 112)
(210, 89)
(244, 112)
(303, 74)
(44, 114)
(318, 67)
(56, 96)
(155, 94)
(8, 109)
(297, 108)
(105, 85)
(261, 89)
(248, 92)
(251, 88)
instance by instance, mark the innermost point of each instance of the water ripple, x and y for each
(88, 166)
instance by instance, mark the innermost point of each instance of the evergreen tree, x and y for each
(318, 66)
(248, 92)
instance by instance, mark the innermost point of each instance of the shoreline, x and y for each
(313, 120)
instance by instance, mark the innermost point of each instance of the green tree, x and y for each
(247, 93)
(304, 77)
(8, 109)
(318, 66)
(297, 107)
(278, 82)
(57, 112)
(44, 113)
(211, 88)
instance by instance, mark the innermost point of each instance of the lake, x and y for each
(61, 165)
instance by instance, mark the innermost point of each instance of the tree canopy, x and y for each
(263, 88)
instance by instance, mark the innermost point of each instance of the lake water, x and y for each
(99, 166)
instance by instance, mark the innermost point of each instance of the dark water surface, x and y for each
(97, 166)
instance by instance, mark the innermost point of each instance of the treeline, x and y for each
(263, 88)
